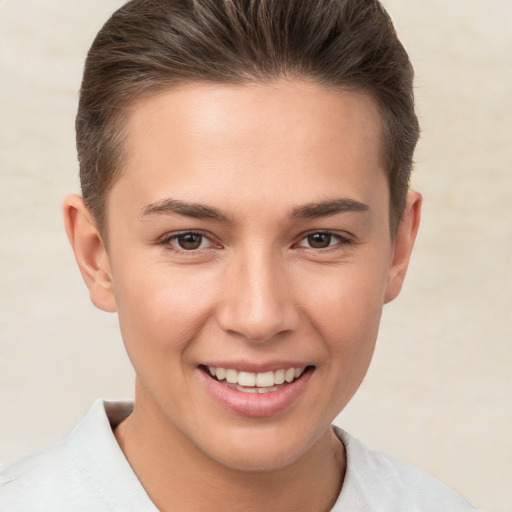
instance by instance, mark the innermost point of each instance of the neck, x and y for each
(178, 476)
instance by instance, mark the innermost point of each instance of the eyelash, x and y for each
(168, 239)
(339, 239)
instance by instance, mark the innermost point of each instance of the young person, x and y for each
(246, 212)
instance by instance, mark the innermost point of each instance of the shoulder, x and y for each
(40, 480)
(376, 481)
(87, 470)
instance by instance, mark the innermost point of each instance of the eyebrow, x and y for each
(194, 210)
(329, 208)
(201, 211)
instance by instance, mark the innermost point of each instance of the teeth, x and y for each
(247, 379)
(262, 391)
(279, 376)
(247, 390)
(265, 380)
(253, 390)
(232, 376)
(256, 382)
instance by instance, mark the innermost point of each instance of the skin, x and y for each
(266, 158)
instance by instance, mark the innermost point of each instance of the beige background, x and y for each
(439, 391)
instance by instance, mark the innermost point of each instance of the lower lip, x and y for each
(257, 405)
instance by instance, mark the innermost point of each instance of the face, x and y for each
(249, 245)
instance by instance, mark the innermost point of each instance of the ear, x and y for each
(403, 244)
(90, 252)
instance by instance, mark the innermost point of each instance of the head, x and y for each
(149, 46)
(248, 162)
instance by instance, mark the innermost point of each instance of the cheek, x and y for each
(161, 310)
(345, 308)
(348, 295)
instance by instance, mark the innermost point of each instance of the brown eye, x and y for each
(319, 240)
(189, 241)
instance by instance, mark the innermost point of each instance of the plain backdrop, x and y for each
(439, 391)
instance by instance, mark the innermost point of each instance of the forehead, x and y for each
(212, 109)
(246, 140)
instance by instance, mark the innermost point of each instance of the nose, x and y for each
(258, 299)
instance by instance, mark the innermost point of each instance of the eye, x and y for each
(321, 240)
(186, 241)
(190, 241)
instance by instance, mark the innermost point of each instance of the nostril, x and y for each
(259, 328)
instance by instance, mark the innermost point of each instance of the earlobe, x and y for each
(403, 244)
(90, 252)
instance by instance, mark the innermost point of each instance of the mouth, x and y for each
(253, 382)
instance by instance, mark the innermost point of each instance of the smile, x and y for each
(256, 394)
(249, 382)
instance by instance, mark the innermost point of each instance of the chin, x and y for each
(259, 452)
(258, 462)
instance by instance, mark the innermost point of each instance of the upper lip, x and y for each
(253, 367)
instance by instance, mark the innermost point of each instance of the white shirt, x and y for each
(88, 472)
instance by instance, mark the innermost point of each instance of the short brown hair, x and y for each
(150, 45)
